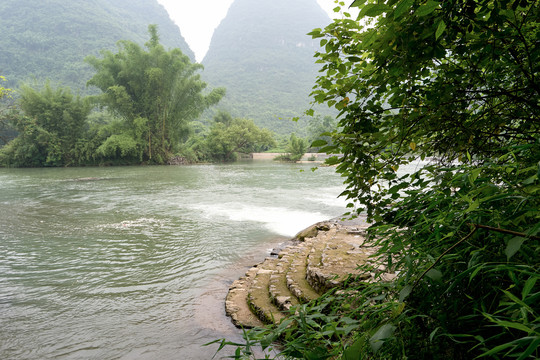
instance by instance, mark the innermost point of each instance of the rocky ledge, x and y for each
(318, 258)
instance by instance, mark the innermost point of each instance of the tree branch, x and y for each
(444, 253)
(505, 231)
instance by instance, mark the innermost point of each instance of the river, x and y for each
(135, 262)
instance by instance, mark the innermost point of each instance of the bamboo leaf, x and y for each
(533, 346)
(517, 301)
(434, 274)
(513, 325)
(513, 246)
(354, 352)
(473, 206)
(529, 284)
(496, 349)
(433, 333)
(384, 332)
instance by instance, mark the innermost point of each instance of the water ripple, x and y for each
(124, 267)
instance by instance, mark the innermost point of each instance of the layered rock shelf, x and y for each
(319, 258)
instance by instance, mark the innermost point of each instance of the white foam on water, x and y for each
(138, 223)
(279, 220)
(329, 197)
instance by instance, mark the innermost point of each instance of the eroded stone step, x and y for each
(236, 304)
(322, 257)
(279, 292)
(296, 275)
(318, 243)
(342, 255)
(258, 296)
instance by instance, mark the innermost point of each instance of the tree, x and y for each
(51, 127)
(156, 92)
(450, 88)
(3, 91)
(320, 129)
(5, 128)
(295, 149)
(455, 81)
(229, 136)
(435, 79)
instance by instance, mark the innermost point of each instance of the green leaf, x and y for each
(514, 325)
(384, 332)
(533, 346)
(517, 301)
(403, 6)
(513, 246)
(358, 3)
(334, 160)
(427, 8)
(354, 352)
(496, 349)
(440, 29)
(316, 33)
(433, 333)
(473, 206)
(474, 175)
(329, 149)
(434, 275)
(406, 291)
(354, 58)
(319, 143)
(373, 10)
(529, 285)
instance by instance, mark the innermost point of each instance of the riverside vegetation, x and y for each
(456, 84)
(147, 113)
(149, 100)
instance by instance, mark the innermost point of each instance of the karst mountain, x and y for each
(262, 55)
(49, 39)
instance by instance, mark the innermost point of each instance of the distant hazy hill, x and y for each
(260, 52)
(50, 38)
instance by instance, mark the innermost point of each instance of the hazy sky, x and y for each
(197, 19)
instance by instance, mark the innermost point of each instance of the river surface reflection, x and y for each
(135, 262)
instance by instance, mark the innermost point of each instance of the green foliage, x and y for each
(156, 93)
(402, 87)
(455, 84)
(320, 131)
(228, 136)
(3, 91)
(50, 130)
(295, 150)
(6, 130)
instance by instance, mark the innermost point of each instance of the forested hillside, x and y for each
(260, 52)
(49, 39)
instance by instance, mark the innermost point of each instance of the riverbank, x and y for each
(307, 157)
(318, 258)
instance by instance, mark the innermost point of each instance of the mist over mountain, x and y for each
(49, 39)
(261, 54)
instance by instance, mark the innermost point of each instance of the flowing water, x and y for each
(135, 262)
